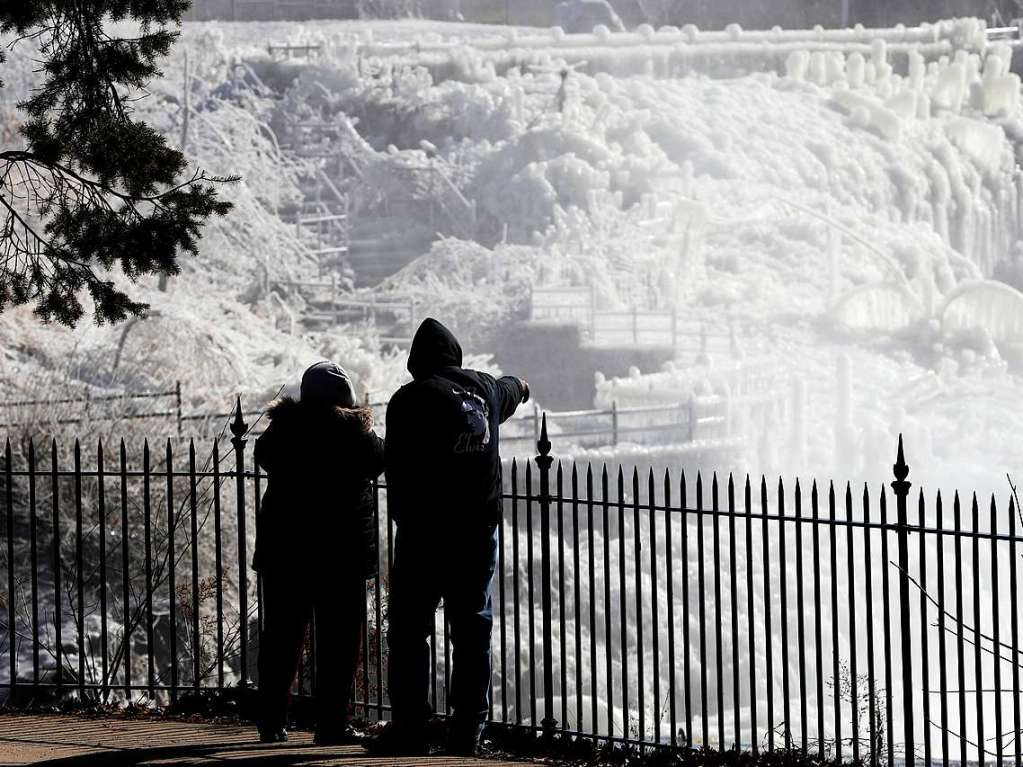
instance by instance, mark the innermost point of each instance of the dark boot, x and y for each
(338, 735)
(463, 739)
(399, 739)
(272, 734)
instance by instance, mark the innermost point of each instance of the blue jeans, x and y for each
(430, 566)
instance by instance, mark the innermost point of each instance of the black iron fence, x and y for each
(665, 609)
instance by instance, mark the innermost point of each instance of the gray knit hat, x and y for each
(327, 383)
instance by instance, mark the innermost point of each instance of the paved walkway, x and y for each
(79, 742)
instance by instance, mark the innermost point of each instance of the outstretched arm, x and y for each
(511, 392)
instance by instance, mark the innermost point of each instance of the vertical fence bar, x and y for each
(503, 621)
(925, 677)
(702, 591)
(978, 656)
(733, 590)
(194, 521)
(637, 563)
(783, 617)
(718, 630)
(33, 533)
(171, 575)
(257, 499)
(592, 563)
(835, 649)
(623, 606)
(687, 701)
(1014, 629)
(12, 644)
(563, 633)
(238, 431)
(869, 604)
(960, 651)
(446, 652)
(126, 616)
(768, 655)
(817, 627)
(800, 619)
(218, 563)
(608, 666)
(79, 572)
(58, 645)
(577, 601)
(378, 613)
(942, 657)
(669, 575)
(530, 598)
(102, 508)
(148, 542)
(854, 701)
(751, 621)
(515, 592)
(901, 489)
(996, 638)
(886, 652)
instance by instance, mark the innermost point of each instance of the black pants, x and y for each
(429, 567)
(337, 609)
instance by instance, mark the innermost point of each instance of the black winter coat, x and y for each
(443, 461)
(317, 515)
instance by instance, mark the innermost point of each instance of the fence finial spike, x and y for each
(900, 468)
(238, 426)
(543, 445)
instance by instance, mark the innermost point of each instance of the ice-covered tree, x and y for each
(91, 191)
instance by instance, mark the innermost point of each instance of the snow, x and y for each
(847, 199)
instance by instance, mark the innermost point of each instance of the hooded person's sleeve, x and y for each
(265, 452)
(374, 455)
(396, 449)
(507, 394)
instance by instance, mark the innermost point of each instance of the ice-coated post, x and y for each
(177, 404)
(614, 422)
(901, 488)
(239, 429)
(543, 462)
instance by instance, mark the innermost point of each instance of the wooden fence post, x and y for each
(238, 430)
(901, 488)
(692, 417)
(543, 462)
(614, 422)
(177, 404)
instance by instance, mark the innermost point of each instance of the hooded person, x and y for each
(316, 544)
(443, 471)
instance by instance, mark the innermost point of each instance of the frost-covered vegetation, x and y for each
(838, 199)
(853, 206)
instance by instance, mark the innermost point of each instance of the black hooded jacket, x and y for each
(317, 515)
(442, 451)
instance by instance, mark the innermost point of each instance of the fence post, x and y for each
(614, 422)
(901, 488)
(692, 418)
(536, 422)
(177, 404)
(543, 462)
(239, 429)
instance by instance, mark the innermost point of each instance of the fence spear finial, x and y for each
(543, 445)
(238, 425)
(900, 468)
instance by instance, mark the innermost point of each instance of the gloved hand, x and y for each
(525, 390)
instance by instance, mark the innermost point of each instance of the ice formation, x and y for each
(850, 199)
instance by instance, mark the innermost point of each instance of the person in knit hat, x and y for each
(316, 545)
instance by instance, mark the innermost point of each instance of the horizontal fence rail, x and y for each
(634, 607)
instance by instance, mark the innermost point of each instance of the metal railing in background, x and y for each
(630, 607)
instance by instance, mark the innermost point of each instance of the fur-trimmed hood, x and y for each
(288, 412)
